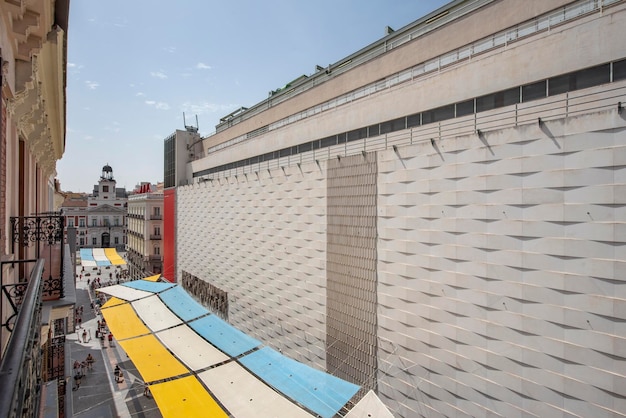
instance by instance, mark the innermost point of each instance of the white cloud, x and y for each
(158, 74)
(139, 94)
(71, 65)
(92, 85)
(170, 49)
(202, 66)
(158, 105)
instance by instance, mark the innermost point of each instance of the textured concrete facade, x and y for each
(268, 254)
(351, 238)
(494, 239)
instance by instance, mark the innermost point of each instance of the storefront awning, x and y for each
(198, 365)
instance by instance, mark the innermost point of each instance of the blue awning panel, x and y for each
(224, 336)
(320, 392)
(182, 304)
(86, 254)
(154, 287)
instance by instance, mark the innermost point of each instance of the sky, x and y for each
(135, 67)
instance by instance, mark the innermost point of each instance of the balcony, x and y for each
(32, 354)
(45, 232)
(156, 257)
(20, 370)
(155, 217)
(155, 237)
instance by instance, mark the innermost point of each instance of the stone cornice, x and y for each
(37, 99)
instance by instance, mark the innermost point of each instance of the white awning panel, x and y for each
(190, 348)
(244, 395)
(155, 314)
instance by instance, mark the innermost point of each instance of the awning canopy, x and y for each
(96, 257)
(198, 365)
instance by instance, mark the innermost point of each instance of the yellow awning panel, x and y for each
(185, 397)
(152, 359)
(124, 322)
(152, 278)
(114, 257)
(113, 301)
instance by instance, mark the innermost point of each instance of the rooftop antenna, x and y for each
(190, 128)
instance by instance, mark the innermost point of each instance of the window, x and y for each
(465, 108)
(81, 222)
(619, 70)
(157, 250)
(116, 221)
(373, 130)
(439, 114)
(82, 241)
(105, 189)
(392, 125)
(94, 222)
(534, 91)
(499, 99)
(116, 240)
(157, 230)
(582, 79)
(94, 241)
(327, 142)
(70, 222)
(157, 211)
(414, 120)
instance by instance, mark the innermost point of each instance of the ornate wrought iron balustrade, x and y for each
(42, 229)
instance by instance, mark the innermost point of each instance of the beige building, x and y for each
(37, 278)
(98, 219)
(438, 216)
(145, 228)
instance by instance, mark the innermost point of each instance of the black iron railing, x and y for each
(20, 370)
(42, 229)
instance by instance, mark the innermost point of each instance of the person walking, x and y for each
(84, 335)
(90, 360)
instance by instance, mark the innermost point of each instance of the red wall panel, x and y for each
(169, 234)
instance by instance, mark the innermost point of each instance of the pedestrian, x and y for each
(77, 378)
(110, 339)
(84, 335)
(119, 375)
(90, 360)
(146, 389)
(79, 320)
(88, 281)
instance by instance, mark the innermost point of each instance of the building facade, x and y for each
(145, 231)
(37, 299)
(178, 149)
(98, 219)
(438, 216)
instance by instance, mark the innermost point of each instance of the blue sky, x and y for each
(135, 66)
